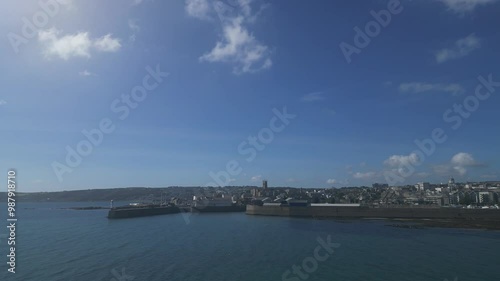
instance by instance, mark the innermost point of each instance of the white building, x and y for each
(422, 186)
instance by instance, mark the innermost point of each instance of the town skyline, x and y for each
(232, 94)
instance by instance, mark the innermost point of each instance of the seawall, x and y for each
(367, 212)
(121, 213)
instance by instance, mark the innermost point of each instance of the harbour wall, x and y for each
(367, 212)
(120, 213)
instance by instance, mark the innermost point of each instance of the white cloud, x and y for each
(462, 6)
(3, 102)
(331, 181)
(311, 97)
(461, 170)
(364, 176)
(291, 180)
(463, 159)
(398, 161)
(461, 48)
(133, 25)
(256, 178)
(419, 87)
(198, 8)
(107, 44)
(85, 73)
(236, 46)
(74, 45)
(458, 164)
(240, 47)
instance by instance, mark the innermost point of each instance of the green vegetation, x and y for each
(117, 194)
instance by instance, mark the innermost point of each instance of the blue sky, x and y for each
(231, 65)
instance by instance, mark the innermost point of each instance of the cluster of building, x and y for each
(452, 193)
(471, 194)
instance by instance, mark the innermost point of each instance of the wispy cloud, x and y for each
(75, 45)
(399, 163)
(331, 181)
(463, 6)
(420, 87)
(3, 102)
(237, 46)
(132, 24)
(134, 28)
(136, 2)
(256, 178)
(240, 47)
(107, 44)
(364, 176)
(85, 73)
(459, 164)
(311, 97)
(198, 8)
(463, 159)
(461, 48)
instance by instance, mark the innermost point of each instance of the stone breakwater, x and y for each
(367, 212)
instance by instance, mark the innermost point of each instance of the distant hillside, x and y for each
(117, 194)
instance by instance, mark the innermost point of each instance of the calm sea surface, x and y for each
(59, 244)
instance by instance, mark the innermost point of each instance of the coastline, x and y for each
(428, 217)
